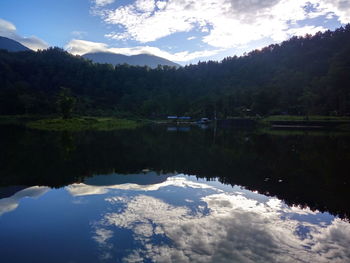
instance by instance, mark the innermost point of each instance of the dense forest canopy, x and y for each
(304, 75)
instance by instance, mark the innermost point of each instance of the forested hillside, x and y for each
(304, 75)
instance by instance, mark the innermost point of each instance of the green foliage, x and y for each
(65, 103)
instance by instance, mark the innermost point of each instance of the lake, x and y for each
(174, 194)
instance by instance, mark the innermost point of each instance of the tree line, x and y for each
(301, 76)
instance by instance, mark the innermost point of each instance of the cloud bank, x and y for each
(222, 23)
(80, 47)
(7, 29)
(82, 189)
(11, 203)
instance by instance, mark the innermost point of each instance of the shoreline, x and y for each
(78, 123)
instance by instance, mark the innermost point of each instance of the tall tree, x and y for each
(66, 102)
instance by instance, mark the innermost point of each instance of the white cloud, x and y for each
(101, 3)
(6, 26)
(80, 47)
(161, 4)
(340, 8)
(7, 29)
(145, 5)
(228, 23)
(32, 42)
(302, 31)
(78, 34)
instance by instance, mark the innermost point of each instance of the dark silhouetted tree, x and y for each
(65, 102)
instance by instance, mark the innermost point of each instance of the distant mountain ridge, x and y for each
(135, 60)
(11, 45)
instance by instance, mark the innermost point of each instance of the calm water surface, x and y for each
(173, 195)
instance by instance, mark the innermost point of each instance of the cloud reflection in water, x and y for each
(237, 228)
(11, 203)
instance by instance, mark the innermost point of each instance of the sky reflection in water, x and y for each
(174, 219)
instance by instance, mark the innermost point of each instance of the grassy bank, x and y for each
(54, 123)
(83, 123)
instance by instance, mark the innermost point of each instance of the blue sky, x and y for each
(184, 31)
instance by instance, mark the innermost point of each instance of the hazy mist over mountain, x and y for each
(135, 60)
(101, 57)
(11, 45)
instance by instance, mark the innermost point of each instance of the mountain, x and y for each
(11, 45)
(135, 60)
